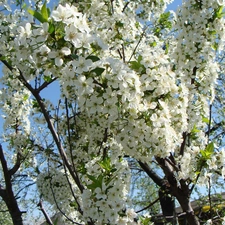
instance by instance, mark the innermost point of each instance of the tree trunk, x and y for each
(167, 204)
(179, 190)
(7, 193)
(187, 208)
(16, 217)
(11, 203)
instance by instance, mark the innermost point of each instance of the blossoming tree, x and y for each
(130, 79)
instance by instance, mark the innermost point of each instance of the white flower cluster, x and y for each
(52, 186)
(15, 104)
(195, 63)
(106, 198)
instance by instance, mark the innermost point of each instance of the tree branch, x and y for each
(148, 206)
(157, 179)
(48, 219)
(46, 115)
(180, 191)
(17, 164)
(8, 195)
(183, 143)
(45, 84)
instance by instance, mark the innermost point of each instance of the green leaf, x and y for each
(166, 48)
(47, 78)
(153, 44)
(74, 56)
(215, 45)
(206, 154)
(41, 16)
(203, 153)
(195, 130)
(93, 58)
(137, 25)
(37, 15)
(210, 147)
(205, 120)
(56, 221)
(113, 170)
(145, 221)
(2, 58)
(219, 12)
(139, 58)
(73, 204)
(96, 182)
(106, 164)
(25, 97)
(92, 186)
(119, 24)
(82, 169)
(35, 103)
(92, 178)
(51, 28)
(136, 65)
(212, 32)
(45, 12)
(98, 71)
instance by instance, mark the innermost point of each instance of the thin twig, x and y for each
(142, 35)
(210, 199)
(125, 6)
(210, 121)
(45, 84)
(48, 219)
(148, 206)
(56, 203)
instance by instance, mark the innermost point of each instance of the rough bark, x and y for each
(166, 201)
(7, 193)
(47, 218)
(179, 189)
(157, 179)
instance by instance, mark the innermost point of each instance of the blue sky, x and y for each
(175, 4)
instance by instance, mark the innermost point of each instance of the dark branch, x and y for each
(215, 127)
(125, 6)
(46, 115)
(148, 206)
(17, 164)
(158, 180)
(48, 219)
(183, 143)
(8, 195)
(45, 84)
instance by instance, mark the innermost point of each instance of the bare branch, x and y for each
(45, 84)
(148, 206)
(48, 219)
(125, 6)
(17, 164)
(8, 195)
(158, 180)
